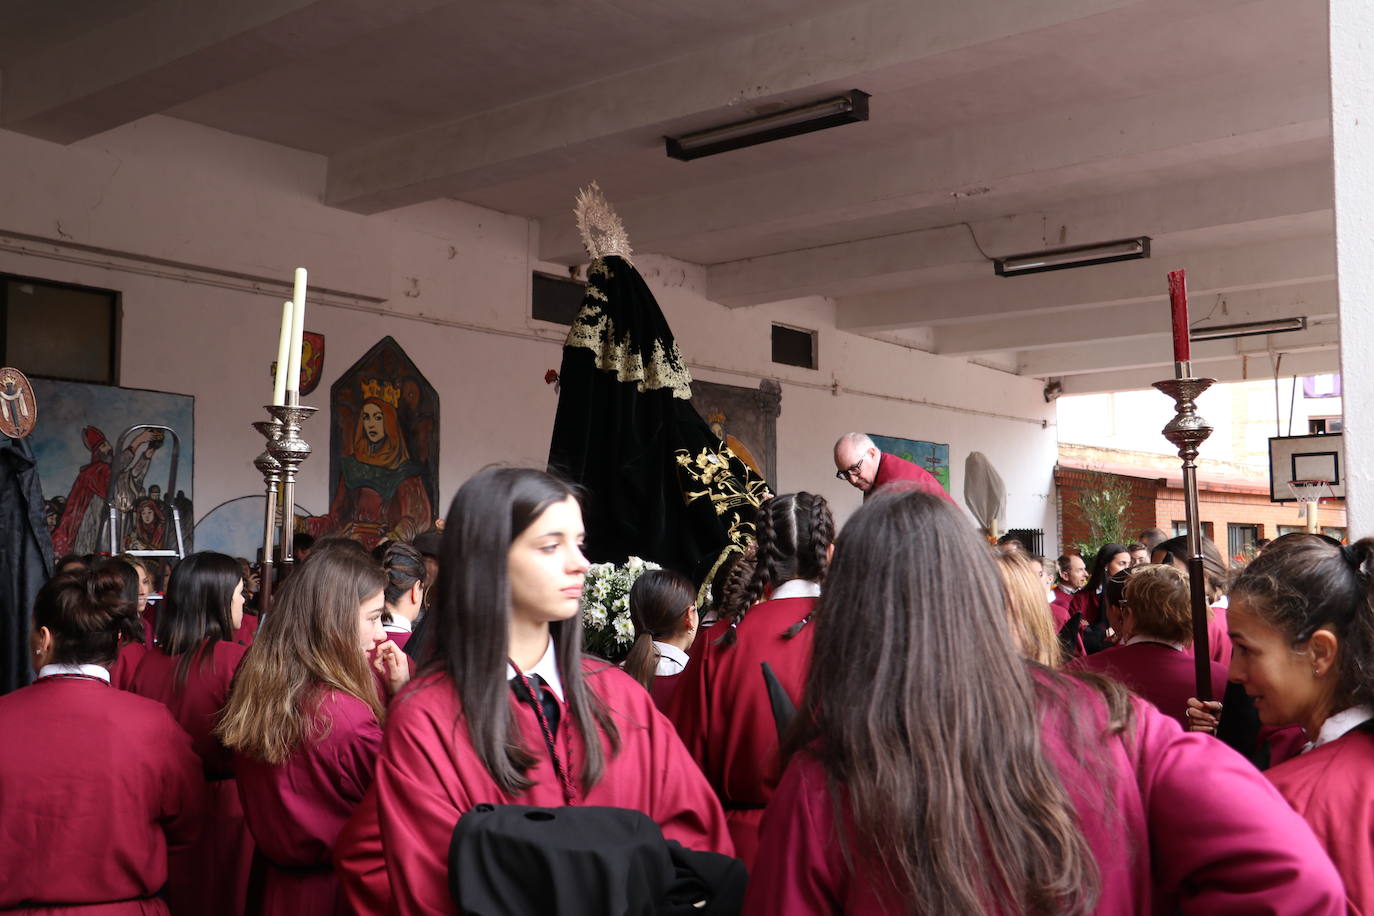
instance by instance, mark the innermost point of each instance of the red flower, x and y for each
(550, 377)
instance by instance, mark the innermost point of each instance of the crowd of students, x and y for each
(884, 719)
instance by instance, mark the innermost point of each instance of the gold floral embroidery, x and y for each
(594, 330)
(729, 485)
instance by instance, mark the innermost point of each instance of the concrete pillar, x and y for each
(1352, 128)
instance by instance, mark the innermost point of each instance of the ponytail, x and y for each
(658, 599)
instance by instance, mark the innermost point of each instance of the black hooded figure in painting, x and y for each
(659, 483)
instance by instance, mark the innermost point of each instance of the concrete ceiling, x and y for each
(1005, 127)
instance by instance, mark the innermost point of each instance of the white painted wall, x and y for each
(199, 231)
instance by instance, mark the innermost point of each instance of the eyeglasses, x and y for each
(849, 471)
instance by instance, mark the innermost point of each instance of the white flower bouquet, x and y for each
(607, 630)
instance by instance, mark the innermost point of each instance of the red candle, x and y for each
(1178, 304)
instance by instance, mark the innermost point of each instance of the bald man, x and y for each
(859, 463)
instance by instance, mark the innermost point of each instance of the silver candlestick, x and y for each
(1187, 431)
(290, 450)
(270, 468)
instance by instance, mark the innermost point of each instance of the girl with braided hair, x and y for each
(726, 709)
(1302, 627)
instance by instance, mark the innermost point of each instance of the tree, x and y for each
(1102, 504)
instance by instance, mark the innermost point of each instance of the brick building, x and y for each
(1233, 505)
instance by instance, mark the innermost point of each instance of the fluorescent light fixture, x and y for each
(1078, 256)
(842, 109)
(1248, 329)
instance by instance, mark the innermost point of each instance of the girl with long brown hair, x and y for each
(507, 710)
(97, 785)
(664, 612)
(305, 722)
(1302, 625)
(936, 771)
(189, 670)
(1028, 609)
(725, 708)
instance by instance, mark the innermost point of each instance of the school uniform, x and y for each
(210, 876)
(1218, 634)
(1186, 825)
(248, 629)
(398, 630)
(723, 711)
(429, 775)
(126, 663)
(96, 786)
(297, 808)
(1163, 673)
(672, 661)
(1329, 785)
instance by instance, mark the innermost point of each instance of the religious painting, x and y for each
(745, 419)
(75, 447)
(933, 456)
(18, 407)
(383, 451)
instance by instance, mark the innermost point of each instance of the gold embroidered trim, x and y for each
(594, 330)
(727, 489)
(602, 232)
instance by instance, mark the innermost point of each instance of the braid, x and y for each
(767, 557)
(814, 560)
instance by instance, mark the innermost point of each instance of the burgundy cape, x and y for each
(1059, 607)
(96, 785)
(1158, 673)
(247, 630)
(429, 775)
(892, 469)
(663, 688)
(1188, 826)
(1330, 787)
(296, 809)
(211, 876)
(722, 711)
(130, 654)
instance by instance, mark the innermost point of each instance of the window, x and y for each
(556, 299)
(1289, 529)
(56, 330)
(794, 346)
(1332, 532)
(1320, 426)
(1240, 541)
(1181, 529)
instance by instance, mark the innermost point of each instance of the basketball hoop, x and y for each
(1310, 493)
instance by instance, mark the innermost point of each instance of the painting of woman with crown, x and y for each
(384, 451)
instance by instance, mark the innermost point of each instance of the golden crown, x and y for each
(382, 391)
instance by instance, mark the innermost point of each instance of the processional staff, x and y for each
(1187, 431)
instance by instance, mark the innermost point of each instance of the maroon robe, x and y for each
(399, 637)
(1330, 787)
(211, 876)
(130, 654)
(662, 689)
(892, 469)
(1059, 607)
(1156, 672)
(1218, 638)
(723, 713)
(429, 775)
(296, 809)
(96, 786)
(247, 630)
(1187, 823)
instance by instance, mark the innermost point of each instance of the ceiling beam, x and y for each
(1210, 271)
(170, 52)
(901, 260)
(1060, 146)
(1134, 320)
(834, 51)
(1235, 369)
(1158, 351)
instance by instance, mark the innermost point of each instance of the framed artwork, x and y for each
(746, 419)
(383, 450)
(74, 444)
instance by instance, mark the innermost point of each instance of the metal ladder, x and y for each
(112, 529)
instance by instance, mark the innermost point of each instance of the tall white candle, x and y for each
(293, 369)
(283, 354)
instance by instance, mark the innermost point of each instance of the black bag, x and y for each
(512, 860)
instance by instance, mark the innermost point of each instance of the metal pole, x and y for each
(291, 450)
(271, 475)
(1187, 431)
